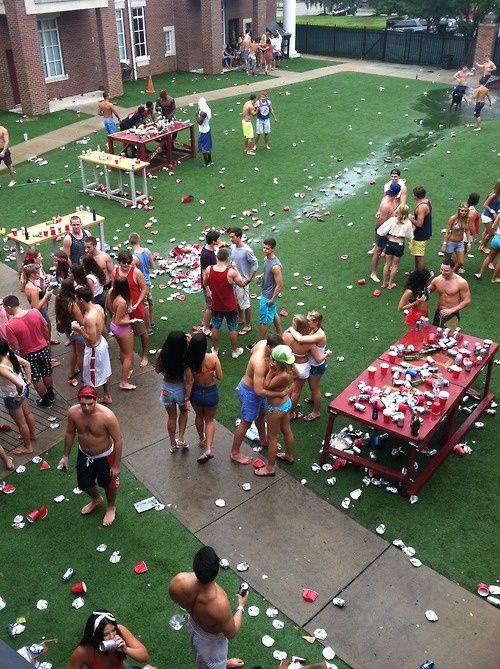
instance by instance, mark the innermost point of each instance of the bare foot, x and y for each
(241, 459)
(127, 386)
(21, 450)
(391, 286)
(109, 516)
(130, 374)
(234, 662)
(495, 281)
(478, 276)
(144, 362)
(285, 458)
(374, 277)
(105, 399)
(9, 465)
(264, 471)
(93, 504)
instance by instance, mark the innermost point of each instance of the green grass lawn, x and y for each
(305, 64)
(65, 539)
(371, 22)
(333, 130)
(34, 126)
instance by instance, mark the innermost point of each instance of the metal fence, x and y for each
(421, 48)
(496, 54)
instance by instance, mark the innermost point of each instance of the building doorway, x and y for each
(232, 31)
(13, 76)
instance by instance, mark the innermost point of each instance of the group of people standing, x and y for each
(250, 54)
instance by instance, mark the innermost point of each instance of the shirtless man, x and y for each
(96, 365)
(249, 110)
(488, 68)
(481, 94)
(461, 79)
(252, 395)
(5, 155)
(107, 110)
(99, 450)
(211, 622)
(387, 207)
(103, 259)
(453, 296)
(166, 105)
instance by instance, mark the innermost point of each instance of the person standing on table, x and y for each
(74, 241)
(166, 105)
(422, 221)
(211, 623)
(143, 259)
(453, 296)
(246, 263)
(5, 155)
(271, 285)
(219, 279)
(207, 258)
(263, 124)
(248, 112)
(28, 334)
(100, 445)
(203, 116)
(96, 364)
(138, 292)
(107, 110)
(387, 207)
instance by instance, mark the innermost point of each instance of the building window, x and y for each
(50, 47)
(139, 27)
(169, 32)
(120, 31)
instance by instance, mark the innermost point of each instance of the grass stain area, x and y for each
(35, 126)
(141, 602)
(328, 144)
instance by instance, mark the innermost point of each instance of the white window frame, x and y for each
(42, 27)
(245, 23)
(169, 30)
(120, 34)
(140, 58)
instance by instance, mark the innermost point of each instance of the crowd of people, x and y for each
(251, 54)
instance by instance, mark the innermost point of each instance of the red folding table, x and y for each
(163, 154)
(457, 388)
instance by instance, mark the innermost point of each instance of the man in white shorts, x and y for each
(263, 126)
(243, 258)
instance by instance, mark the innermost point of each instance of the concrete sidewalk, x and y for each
(292, 539)
(53, 140)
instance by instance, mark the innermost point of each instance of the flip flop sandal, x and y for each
(310, 418)
(181, 445)
(5, 428)
(173, 449)
(244, 331)
(308, 400)
(256, 472)
(283, 458)
(296, 415)
(204, 458)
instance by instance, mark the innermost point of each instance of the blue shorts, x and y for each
(381, 242)
(172, 393)
(267, 312)
(478, 109)
(45, 313)
(109, 125)
(205, 142)
(453, 247)
(285, 407)
(204, 396)
(208, 300)
(231, 320)
(495, 243)
(394, 249)
(318, 370)
(252, 405)
(11, 404)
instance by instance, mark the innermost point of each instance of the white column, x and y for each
(289, 16)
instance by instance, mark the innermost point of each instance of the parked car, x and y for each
(447, 25)
(408, 25)
(343, 9)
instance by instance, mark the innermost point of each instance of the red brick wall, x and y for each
(211, 39)
(6, 97)
(485, 41)
(108, 69)
(188, 35)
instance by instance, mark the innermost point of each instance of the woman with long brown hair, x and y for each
(119, 304)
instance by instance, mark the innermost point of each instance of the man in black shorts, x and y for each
(5, 155)
(99, 451)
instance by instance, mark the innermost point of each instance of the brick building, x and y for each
(56, 48)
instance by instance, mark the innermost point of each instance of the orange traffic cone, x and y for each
(150, 87)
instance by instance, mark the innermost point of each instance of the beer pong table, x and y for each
(410, 482)
(50, 231)
(163, 153)
(120, 165)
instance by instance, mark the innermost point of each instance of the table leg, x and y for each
(132, 188)
(120, 182)
(84, 179)
(96, 177)
(19, 255)
(108, 184)
(111, 148)
(144, 184)
(101, 235)
(191, 134)
(332, 415)
(489, 370)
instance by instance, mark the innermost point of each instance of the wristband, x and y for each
(240, 608)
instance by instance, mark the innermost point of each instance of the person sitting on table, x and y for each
(103, 632)
(166, 105)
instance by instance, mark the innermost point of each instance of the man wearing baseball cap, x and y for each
(386, 209)
(99, 450)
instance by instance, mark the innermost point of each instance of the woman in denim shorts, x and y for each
(202, 370)
(15, 375)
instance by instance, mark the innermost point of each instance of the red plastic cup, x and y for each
(455, 371)
(483, 589)
(14, 232)
(384, 368)
(33, 516)
(46, 233)
(459, 450)
(66, 227)
(393, 357)
(431, 338)
(436, 408)
(43, 512)
(371, 372)
(444, 396)
(387, 414)
(79, 588)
